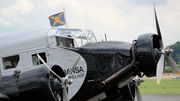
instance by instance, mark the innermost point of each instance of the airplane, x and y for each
(175, 77)
(64, 64)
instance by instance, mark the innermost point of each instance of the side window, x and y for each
(65, 42)
(36, 60)
(11, 61)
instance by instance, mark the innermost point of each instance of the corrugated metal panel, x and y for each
(10, 44)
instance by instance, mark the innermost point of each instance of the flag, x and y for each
(57, 19)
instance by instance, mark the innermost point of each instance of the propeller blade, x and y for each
(158, 29)
(160, 67)
(172, 64)
(48, 67)
(67, 81)
(74, 65)
(137, 94)
(65, 95)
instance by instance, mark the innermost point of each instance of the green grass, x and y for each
(167, 86)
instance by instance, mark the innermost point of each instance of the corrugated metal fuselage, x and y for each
(99, 61)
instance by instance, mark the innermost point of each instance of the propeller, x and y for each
(137, 81)
(170, 61)
(64, 81)
(165, 55)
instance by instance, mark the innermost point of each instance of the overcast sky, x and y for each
(121, 20)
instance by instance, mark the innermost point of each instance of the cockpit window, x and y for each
(10, 62)
(74, 38)
(91, 37)
(67, 31)
(65, 42)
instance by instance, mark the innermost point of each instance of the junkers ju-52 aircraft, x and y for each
(70, 64)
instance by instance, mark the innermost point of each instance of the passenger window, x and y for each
(10, 62)
(36, 60)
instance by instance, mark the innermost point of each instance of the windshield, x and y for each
(76, 37)
(83, 37)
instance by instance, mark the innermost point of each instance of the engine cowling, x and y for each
(148, 53)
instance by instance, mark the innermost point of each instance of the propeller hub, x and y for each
(69, 81)
(137, 80)
(168, 51)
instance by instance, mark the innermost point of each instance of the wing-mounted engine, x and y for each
(147, 53)
(151, 54)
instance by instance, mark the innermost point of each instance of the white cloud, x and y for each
(20, 8)
(6, 23)
(121, 20)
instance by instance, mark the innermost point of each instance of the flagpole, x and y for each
(65, 18)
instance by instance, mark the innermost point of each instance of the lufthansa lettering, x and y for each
(76, 76)
(76, 70)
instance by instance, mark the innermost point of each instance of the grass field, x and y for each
(167, 86)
